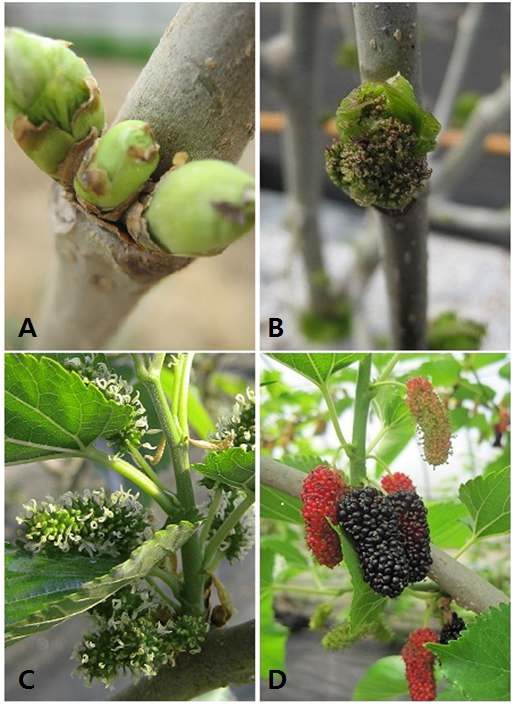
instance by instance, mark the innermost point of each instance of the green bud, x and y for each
(384, 135)
(200, 208)
(52, 101)
(117, 166)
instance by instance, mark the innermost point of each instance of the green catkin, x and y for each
(134, 634)
(92, 523)
(239, 428)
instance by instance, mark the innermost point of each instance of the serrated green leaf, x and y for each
(304, 463)
(366, 604)
(279, 506)
(285, 549)
(479, 661)
(50, 412)
(445, 524)
(272, 635)
(487, 499)
(234, 467)
(383, 680)
(316, 367)
(42, 591)
(444, 370)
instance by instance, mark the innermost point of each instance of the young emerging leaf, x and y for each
(52, 102)
(384, 135)
(117, 166)
(198, 209)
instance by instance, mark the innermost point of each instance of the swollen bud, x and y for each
(384, 135)
(197, 209)
(117, 166)
(52, 102)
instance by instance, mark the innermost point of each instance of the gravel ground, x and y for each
(470, 278)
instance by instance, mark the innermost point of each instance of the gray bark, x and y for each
(469, 589)
(290, 63)
(197, 92)
(387, 40)
(226, 658)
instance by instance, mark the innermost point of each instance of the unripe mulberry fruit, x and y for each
(384, 135)
(117, 166)
(452, 630)
(322, 489)
(419, 663)
(432, 420)
(52, 102)
(397, 482)
(197, 209)
(368, 518)
(411, 517)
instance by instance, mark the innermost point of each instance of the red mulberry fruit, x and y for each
(368, 518)
(419, 665)
(321, 491)
(452, 630)
(432, 420)
(397, 482)
(411, 517)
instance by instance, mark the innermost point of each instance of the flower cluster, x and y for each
(241, 538)
(432, 420)
(135, 634)
(91, 522)
(419, 663)
(239, 428)
(384, 135)
(115, 388)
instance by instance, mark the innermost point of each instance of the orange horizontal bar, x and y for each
(494, 143)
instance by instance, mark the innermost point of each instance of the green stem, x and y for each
(388, 382)
(142, 462)
(166, 598)
(191, 553)
(377, 438)
(182, 411)
(389, 367)
(358, 471)
(208, 521)
(133, 474)
(169, 580)
(333, 415)
(225, 528)
(380, 462)
(465, 546)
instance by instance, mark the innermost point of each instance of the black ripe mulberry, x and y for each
(452, 630)
(368, 518)
(411, 516)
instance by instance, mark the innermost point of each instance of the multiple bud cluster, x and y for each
(432, 420)
(419, 663)
(92, 523)
(241, 538)
(115, 388)
(321, 491)
(384, 135)
(54, 111)
(135, 634)
(239, 428)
